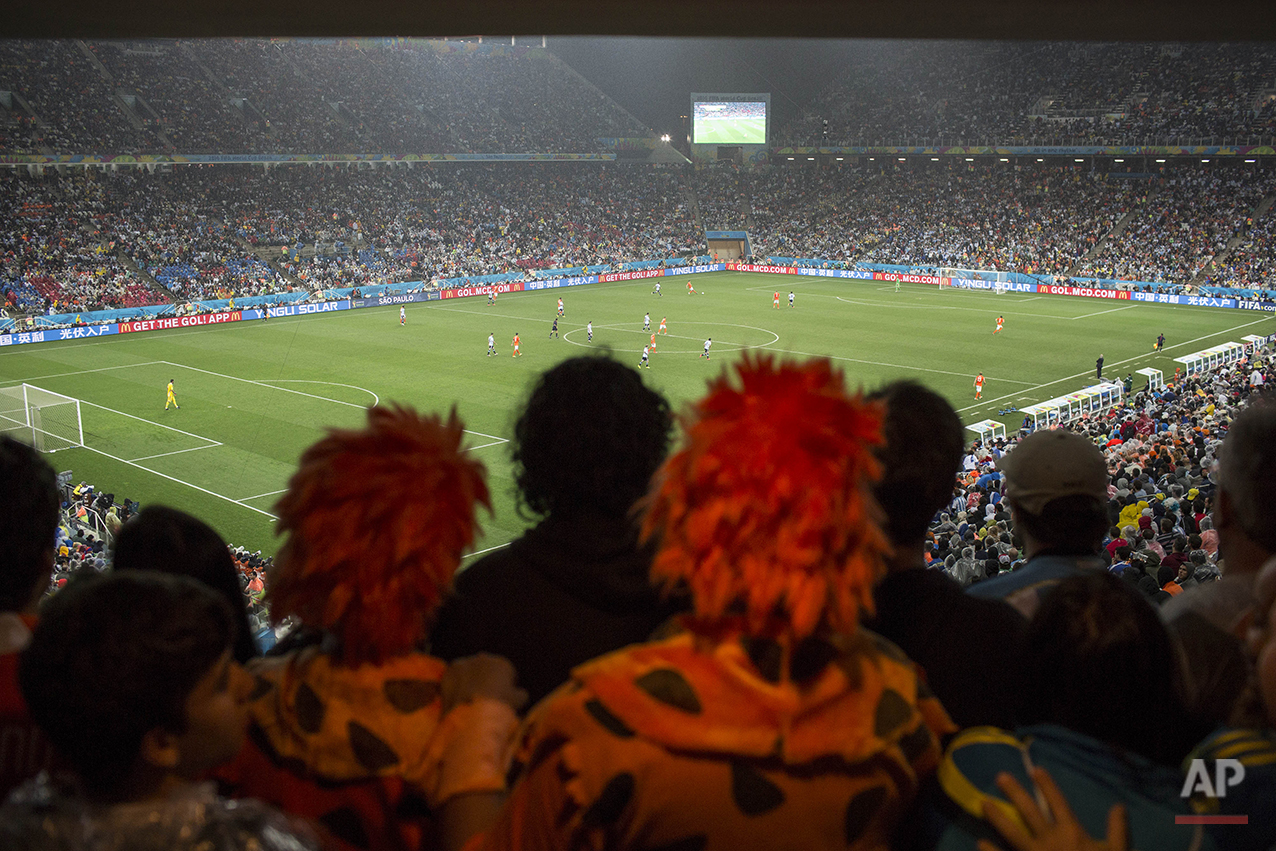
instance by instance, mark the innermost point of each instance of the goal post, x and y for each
(48, 421)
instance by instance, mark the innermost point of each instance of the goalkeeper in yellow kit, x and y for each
(171, 400)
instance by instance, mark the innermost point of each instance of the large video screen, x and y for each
(729, 119)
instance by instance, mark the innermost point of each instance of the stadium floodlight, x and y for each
(934, 159)
(51, 420)
(664, 138)
(970, 159)
(1040, 160)
(1115, 161)
(1161, 160)
(901, 159)
(1205, 159)
(790, 159)
(1079, 160)
(1005, 159)
(810, 159)
(839, 159)
(1251, 161)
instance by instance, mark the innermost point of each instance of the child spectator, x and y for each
(132, 679)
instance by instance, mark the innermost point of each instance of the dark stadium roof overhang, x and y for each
(1166, 20)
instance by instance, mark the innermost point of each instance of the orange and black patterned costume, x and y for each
(774, 721)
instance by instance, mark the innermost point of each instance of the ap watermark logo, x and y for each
(1201, 783)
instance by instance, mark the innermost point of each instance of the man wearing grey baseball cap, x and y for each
(1057, 487)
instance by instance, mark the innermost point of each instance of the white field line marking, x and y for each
(208, 440)
(176, 452)
(488, 550)
(1101, 312)
(496, 442)
(1134, 359)
(268, 386)
(262, 495)
(87, 371)
(309, 395)
(897, 366)
(944, 307)
(181, 482)
(376, 400)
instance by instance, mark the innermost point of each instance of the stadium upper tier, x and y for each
(1044, 93)
(92, 239)
(246, 96)
(261, 96)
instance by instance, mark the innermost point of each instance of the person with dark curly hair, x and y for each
(575, 585)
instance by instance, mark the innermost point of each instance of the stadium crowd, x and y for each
(1076, 588)
(251, 96)
(1042, 93)
(90, 240)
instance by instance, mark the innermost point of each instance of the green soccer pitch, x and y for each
(253, 395)
(731, 131)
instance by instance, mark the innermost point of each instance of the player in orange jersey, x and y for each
(517, 353)
(979, 386)
(1000, 322)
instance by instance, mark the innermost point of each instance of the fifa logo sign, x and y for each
(1227, 772)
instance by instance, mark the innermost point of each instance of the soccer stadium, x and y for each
(219, 254)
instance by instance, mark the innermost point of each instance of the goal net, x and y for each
(48, 421)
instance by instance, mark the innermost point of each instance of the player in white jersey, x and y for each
(643, 363)
(790, 298)
(491, 344)
(657, 289)
(707, 344)
(646, 322)
(589, 331)
(403, 316)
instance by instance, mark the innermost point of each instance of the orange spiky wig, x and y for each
(377, 520)
(767, 512)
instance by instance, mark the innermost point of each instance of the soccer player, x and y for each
(491, 344)
(653, 342)
(589, 331)
(491, 297)
(517, 353)
(1160, 342)
(403, 315)
(690, 289)
(979, 386)
(553, 332)
(560, 307)
(171, 400)
(657, 289)
(790, 298)
(897, 285)
(775, 300)
(707, 344)
(646, 322)
(1098, 368)
(664, 325)
(643, 363)
(1000, 321)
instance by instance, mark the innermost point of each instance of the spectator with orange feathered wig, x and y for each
(351, 723)
(773, 720)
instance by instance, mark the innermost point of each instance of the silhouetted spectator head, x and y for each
(589, 438)
(1100, 662)
(1057, 484)
(124, 665)
(1245, 511)
(766, 514)
(920, 458)
(171, 541)
(28, 524)
(377, 520)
